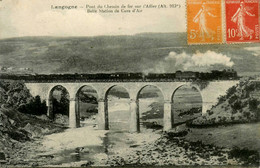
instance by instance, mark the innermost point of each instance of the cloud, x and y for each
(198, 61)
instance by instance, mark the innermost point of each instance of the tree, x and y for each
(231, 91)
(61, 106)
(253, 103)
(253, 106)
(237, 105)
(35, 107)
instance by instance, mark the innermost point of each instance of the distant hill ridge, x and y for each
(98, 54)
(86, 54)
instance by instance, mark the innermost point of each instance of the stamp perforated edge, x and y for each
(223, 31)
(242, 42)
(224, 37)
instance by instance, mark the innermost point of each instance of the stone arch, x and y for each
(77, 101)
(157, 120)
(108, 120)
(174, 92)
(112, 86)
(77, 89)
(53, 87)
(138, 92)
(192, 86)
(50, 100)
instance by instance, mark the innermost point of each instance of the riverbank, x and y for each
(21, 134)
(176, 149)
(115, 148)
(88, 146)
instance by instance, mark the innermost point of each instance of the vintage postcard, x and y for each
(123, 83)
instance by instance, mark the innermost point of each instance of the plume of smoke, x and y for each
(194, 62)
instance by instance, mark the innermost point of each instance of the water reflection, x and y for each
(106, 143)
(87, 153)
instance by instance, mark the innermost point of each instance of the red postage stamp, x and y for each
(242, 21)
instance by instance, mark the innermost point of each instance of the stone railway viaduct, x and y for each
(209, 95)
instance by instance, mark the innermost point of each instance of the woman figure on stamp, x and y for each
(202, 20)
(239, 19)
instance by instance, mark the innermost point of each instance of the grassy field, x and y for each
(240, 135)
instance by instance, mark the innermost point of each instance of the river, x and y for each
(87, 145)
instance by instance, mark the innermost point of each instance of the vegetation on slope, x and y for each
(241, 104)
(15, 95)
(19, 120)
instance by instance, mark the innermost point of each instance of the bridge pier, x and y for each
(72, 114)
(49, 109)
(101, 115)
(167, 116)
(77, 113)
(134, 120)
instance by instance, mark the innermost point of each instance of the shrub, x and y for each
(231, 91)
(210, 112)
(177, 134)
(253, 103)
(250, 157)
(232, 99)
(212, 120)
(249, 88)
(234, 111)
(35, 107)
(14, 93)
(61, 107)
(223, 119)
(246, 114)
(237, 105)
(244, 104)
(191, 111)
(221, 99)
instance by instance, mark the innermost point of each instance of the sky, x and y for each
(20, 18)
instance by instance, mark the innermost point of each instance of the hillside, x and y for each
(18, 129)
(244, 136)
(241, 104)
(137, 53)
